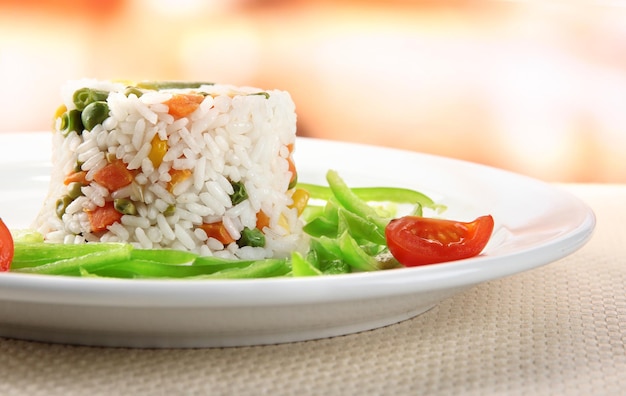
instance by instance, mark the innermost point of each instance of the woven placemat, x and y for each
(559, 329)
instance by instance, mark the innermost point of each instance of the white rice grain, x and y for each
(142, 238)
(184, 237)
(143, 152)
(231, 227)
(165, 228)
(119, 230)
(217, 193)
(162, 193)
(135, 221)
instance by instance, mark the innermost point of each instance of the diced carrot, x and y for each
(114, 175)
(300, 199)
(217, 231)
(76, 177)
(181, 105)
(103, 216)
(262, 220)
(292, 165)
(292, 169)
(177, 175)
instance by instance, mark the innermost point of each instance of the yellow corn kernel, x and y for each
(282, 221)
(59, 112)
(158, 150)
(300, 199)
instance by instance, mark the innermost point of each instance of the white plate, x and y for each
(536, 224)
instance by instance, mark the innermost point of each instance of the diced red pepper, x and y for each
(217, 231)
(76, 177)
(262, 220)
(103, 216)
(181, 105)
(177, 176)
(114, 176)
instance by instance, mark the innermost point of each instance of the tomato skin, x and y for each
(414, 240)
(7, 248)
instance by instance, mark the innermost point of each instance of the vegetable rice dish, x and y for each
(200, 167)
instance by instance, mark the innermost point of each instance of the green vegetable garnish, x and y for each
(95, 113)
(267, 95)
(159, 85)
(240, 194)
(346, 235)
(251, 237)
(125, 206)
(61, 205)
(85, 96)
(71, 122)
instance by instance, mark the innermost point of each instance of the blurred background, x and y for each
(536, 87)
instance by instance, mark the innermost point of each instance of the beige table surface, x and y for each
(558, 329)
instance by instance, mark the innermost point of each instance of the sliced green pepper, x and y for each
(159, 85)
(302, 267)
(91, 261)
(354, 255)
(352, 202)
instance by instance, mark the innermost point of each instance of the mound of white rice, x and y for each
(185, 166)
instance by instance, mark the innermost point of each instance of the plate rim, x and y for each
(28, 287)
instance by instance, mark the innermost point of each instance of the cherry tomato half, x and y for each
(6, 247)
(414, 240)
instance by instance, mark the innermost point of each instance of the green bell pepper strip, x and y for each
(300, 266)
(360, 228)
(355, 256)
(267, 268)
(159, 85)
(352, 202)
(31, 254)
(164, 256)
(89, 262)
(328, 256)
(375, 194)
(135, 268)
(321, 226)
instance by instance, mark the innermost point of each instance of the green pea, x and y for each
(85, 96)
(240, 194)
(62, 204)
(71, 122)
(95, 113)
(125, 206)
(169, 211)
(133, 91)
(251, 237)
(74, 190)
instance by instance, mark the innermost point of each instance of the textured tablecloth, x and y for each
(558, 329)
